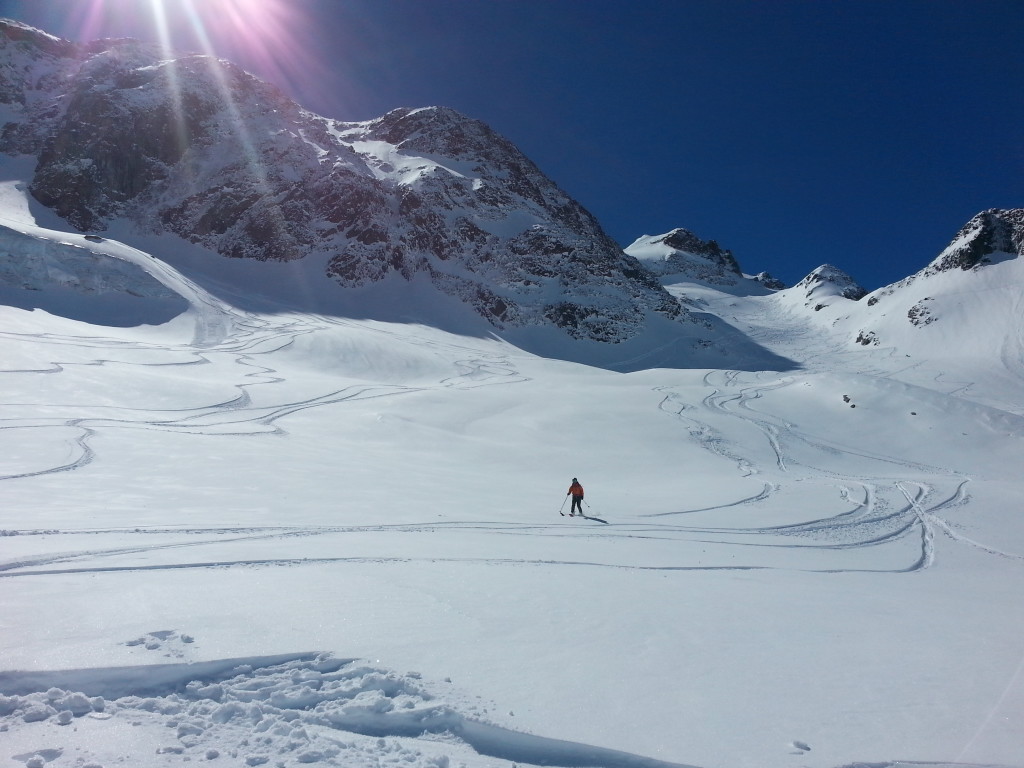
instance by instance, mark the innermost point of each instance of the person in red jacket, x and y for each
(576, 491)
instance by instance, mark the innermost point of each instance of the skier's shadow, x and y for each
(587, 517)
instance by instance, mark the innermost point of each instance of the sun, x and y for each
(267, 35)
(264, 31)
(273, 39)
(304, 47)
(268, 38)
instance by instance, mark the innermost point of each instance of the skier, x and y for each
(576, 491)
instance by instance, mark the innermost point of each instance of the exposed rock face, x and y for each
(990, 232)
(486, 225)
(197, 147)
(981, 257)
(680, 252)
(769, 282)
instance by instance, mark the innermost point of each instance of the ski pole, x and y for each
(563, 504)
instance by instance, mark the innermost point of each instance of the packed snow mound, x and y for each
(276, 710)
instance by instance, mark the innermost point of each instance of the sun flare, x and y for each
(266, 34)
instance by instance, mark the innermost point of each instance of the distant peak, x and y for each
(412, 119)
(835, 280)
(989, 232)
(768, 281)
(447, 132)
(684, 241)
(16, 31)
(681, 254)
(440, 112)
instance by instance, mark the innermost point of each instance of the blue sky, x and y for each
(796, 133)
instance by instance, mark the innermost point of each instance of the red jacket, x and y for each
(576, 490)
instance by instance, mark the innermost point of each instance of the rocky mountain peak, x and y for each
(828, 280)
(686, 242)
(19, 33)
(681, 252)
(986, 236)
(769, 281)
(990, 232)
(933, 305)
(437, 129)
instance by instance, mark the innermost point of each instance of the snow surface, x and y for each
(258, 537)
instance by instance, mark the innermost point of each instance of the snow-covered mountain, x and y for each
(955, 325)
(964, 309)
(964, 304)
(196, 147)
(825, 284)
(960, 311)
(990, 236)
(422, 215)
(681, 256)
(682, 253)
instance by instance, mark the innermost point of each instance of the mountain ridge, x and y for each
(197, 147)
(425, 198)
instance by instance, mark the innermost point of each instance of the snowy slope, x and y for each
(956, 326)
(256, 536)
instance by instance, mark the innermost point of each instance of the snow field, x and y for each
(767, 576)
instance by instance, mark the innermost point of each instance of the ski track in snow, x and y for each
(312, 708)
(870, 522)
(307, 708)
(865, 525)
(887, 513)
(238, 341)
